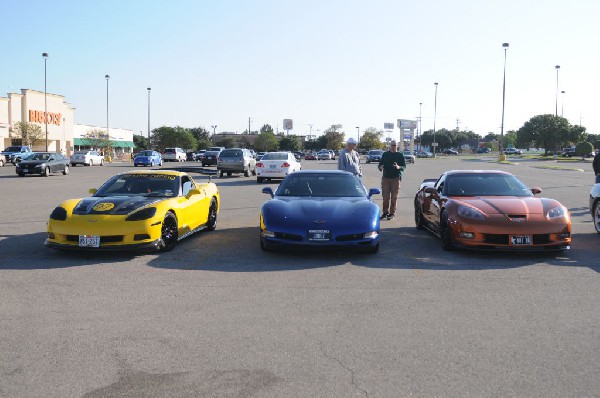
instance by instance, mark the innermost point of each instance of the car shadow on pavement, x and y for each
(27, 252)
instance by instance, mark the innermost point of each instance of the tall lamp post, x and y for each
(214, 129)
(420, 132)
(434, 117)
(562, 104)
(358, 133)
(557, 67)
(45, 55)
(505, 46)
(149, 89)
(107, 77)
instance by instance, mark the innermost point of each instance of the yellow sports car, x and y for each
(137, 210)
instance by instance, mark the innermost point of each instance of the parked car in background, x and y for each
(310, 155)
(210, 158)
(87, 158)
(42, 163)
(483, 150)
(374, 155)
(424, 154)
(236, 160)
(450, 151)
(15, 153)
(174, 155)
(276, 165)
(333, 154)
(408, 156)
(198, 155)
(324, 154)
(148, 158)
(512, 151)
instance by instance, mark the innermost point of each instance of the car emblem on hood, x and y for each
(103, 206)
(92, 221)
(319, 221)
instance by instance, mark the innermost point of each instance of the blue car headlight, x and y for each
(470, 212)
(59, 213)
(557, 212)
(143, 214)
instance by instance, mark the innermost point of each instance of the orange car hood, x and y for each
(509, 204)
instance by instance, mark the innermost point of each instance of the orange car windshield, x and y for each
(485, 184)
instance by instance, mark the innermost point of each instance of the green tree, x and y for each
(169, 137)
(290, 143)
(140, 142)
(266, 128)
(583, 148)
(545, 131)
(202, 137)
(266, 141)
(29, 133)
(371, 139)
(333, 138)
(228, 142)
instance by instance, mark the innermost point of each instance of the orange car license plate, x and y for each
(521, 240)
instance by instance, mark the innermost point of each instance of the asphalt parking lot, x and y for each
(218, 317)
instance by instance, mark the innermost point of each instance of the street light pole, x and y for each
(420, 126)
(149, 89)
(45, 55)
(107, 77)
(434, 117)
(557, 67)
(562, 105)
(358, 133)
(505, 46)
(214, 128)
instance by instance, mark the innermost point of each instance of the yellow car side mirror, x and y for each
(92, 191)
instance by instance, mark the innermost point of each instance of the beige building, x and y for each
(63, 134)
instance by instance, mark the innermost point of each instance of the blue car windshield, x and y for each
(485, 184)
(321, 185)
(145, 153)
(160, 185)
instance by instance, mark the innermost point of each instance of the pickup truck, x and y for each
(14, 154)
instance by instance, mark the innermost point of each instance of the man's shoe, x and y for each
(391, 216)
(384, 216)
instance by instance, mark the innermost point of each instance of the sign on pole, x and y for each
(288, 124)
(388, 126)
(407, 124)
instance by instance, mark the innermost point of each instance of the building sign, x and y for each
(407, 124)
(388, 126)
(38, 117)
(288, 124)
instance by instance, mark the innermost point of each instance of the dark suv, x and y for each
(236, 160)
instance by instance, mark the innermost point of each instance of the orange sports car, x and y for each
(490, 209)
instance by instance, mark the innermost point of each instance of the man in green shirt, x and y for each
(392, 164)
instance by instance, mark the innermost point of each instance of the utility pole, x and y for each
(248, 125)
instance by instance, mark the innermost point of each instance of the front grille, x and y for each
(103, 239)
(283, 235)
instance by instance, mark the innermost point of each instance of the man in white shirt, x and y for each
(349, 159)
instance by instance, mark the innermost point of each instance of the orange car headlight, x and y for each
(470, 212)
(557, 212)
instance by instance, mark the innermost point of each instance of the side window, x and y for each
(439, 185)
(186, 185)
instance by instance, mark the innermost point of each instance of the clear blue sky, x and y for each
(319, 62)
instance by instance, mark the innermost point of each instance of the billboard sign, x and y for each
(407, 124)
(388, 126)
(288, 124)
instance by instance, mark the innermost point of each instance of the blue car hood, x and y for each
(329, 213)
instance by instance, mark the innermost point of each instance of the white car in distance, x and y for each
(276, 165)
(86, 158)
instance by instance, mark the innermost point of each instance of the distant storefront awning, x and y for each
(114, 144)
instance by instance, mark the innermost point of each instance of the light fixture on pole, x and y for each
(107, 77)
(562, 104)
(501, 148)
(557, 67)
(214, 128)
(149, 89)
(434, 117)
(45, 55)
(358, 134)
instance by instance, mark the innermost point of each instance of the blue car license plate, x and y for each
(319, 235)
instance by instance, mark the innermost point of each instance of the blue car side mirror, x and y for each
(374, 191)
(268, 190)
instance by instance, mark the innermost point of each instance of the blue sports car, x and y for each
(148, 158)
(320, 208)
